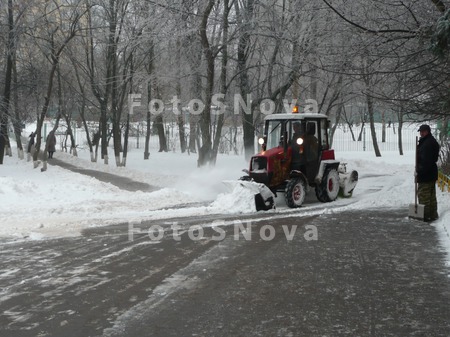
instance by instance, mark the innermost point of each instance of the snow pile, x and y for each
(59, 202)
(174, 170)
(240, 199)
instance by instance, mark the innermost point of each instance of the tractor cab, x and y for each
(277, 129)
(295, 156)
(303, 140)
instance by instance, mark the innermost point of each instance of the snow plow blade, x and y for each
(263, 197)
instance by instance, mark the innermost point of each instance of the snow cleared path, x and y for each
(369, 273)
(121, 182)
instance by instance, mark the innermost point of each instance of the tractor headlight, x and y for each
(299, 141)
(261, 141)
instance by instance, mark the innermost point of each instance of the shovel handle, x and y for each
(416, 188)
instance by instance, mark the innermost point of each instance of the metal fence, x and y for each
(361, 140)
(232, 139)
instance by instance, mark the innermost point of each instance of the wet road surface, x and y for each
(372, 273)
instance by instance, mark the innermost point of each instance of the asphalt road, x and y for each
(372, 273)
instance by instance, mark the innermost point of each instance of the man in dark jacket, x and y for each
(51, 144)
(31, 142)
(427, 172)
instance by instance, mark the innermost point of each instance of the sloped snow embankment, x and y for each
(59, 202)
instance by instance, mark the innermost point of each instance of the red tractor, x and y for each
(296, 157)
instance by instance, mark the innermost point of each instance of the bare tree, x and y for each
(5, 103)
(205, 155)
(341, 53)
(245, 14)
(60, 31)
(11, 88)
(370, 110)
(404, 47)
(149, 68)
(223, 76)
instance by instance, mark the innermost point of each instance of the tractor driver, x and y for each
(311, 144)
(296, 156)
(297, 132)
(311, 151)
(304, 156)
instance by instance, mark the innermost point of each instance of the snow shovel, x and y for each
(416, 210)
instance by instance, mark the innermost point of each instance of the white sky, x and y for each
(55, 203)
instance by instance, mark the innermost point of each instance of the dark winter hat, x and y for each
(424, 127)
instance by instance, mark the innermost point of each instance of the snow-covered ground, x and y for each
(59, 202)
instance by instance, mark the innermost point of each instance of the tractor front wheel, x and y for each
(328, 189)
(295, 192)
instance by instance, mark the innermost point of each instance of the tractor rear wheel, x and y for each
(295, 192)
(328, 189)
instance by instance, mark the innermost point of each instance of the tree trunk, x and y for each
(223, 80)
(159, 124)
(125, 143)
(338, 118)
(350, 127)
(370, 111)
(3, 134)
(96, 141)
(67, 117)
(244, 86)
(18, 120)
(42, 115)
(193, 119)
(337, 96)
(86, 129)
(205, 152)
(181, 133)
(73, 145)
(361, 131)
(180, 118)
(5, 104)
(101, 96)
(104, 131)
(400, 138)
(149, 69)
(117, 138)
(55, 54)
(112, 78)
(82, 112)
(148, 129)
(192, 136)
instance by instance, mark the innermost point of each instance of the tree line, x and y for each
(81, 59)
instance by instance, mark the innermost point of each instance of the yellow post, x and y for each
(443, 181)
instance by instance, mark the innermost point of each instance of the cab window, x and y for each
(324, 134)
(274, 133)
